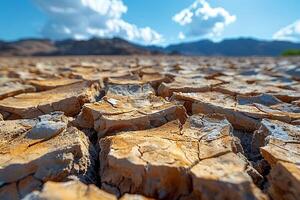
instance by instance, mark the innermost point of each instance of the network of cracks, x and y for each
(149, 128)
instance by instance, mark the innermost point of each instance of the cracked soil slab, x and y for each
(119, 113)
(39, 150)
(279, 144)
(67, 99)
(243, 112)
(175, 161)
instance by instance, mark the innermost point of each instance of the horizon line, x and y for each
(149, 45)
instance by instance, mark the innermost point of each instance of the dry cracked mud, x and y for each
(155, 127)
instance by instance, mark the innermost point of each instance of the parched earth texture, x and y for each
(156, 127)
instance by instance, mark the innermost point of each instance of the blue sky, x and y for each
(150, 21)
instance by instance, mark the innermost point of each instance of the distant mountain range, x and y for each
(234, 47)
(118, 46)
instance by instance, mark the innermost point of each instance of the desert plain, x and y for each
(149, 127)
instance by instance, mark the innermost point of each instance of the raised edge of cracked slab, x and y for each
(71, 190)
(74, 190)
(242, 112)
(285, 181)
(48, 84)
(11, 89)
(279, 144)
(68, 99)
(187, 85)
(281, 141)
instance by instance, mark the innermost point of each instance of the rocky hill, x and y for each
(94, 46)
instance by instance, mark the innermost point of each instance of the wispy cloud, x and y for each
(290, 32)
(82, 19)
(203, 20)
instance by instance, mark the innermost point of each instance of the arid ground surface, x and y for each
(149, 128)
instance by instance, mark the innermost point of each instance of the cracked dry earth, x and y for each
(134, 128)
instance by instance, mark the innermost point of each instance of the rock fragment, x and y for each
(38, 150)
(193, 161)
(68, 99)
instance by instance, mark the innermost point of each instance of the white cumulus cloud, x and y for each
(203, 20)
(290, 32)
(83, 19)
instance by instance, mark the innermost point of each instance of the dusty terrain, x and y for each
(149, 128)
